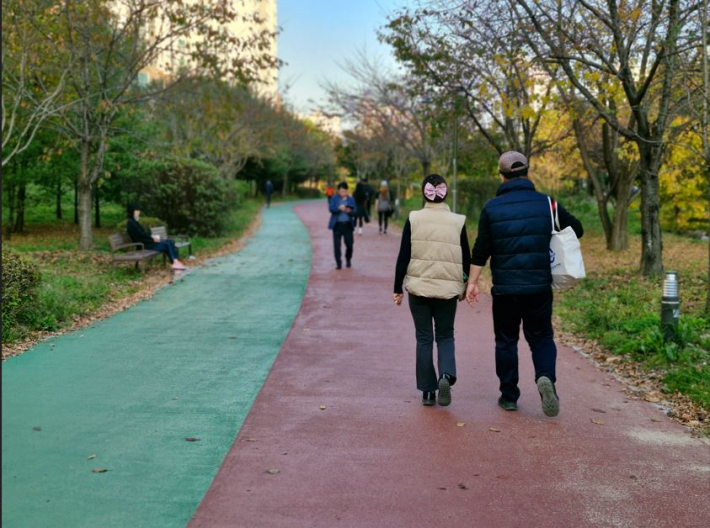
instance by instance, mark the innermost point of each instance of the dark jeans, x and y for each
(268, 199)
(165, 246)
(383, 217)
(442, 313)
(343, 231)
(535, 312)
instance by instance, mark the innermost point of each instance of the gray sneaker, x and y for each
(507, 404)
(548, 394)
(444, 391)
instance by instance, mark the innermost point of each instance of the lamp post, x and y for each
(670, 306)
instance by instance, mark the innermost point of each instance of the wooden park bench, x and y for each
(180, 240)
(120, 242)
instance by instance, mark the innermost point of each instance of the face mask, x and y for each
(137, 216)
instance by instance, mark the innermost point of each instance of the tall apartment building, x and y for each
(265, 11)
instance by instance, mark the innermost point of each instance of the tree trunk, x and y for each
(97, 207)
(76, 200)
(651, 241)
(20, 216)
(284, 191)
(86, 240)
(426, 168)
(619, 236)
(59, 198)
(10, 211)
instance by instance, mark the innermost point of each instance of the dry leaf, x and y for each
(192, 439)
(462, 486)
(599, 410)
(494, 429)
(99, 470)
(36, 428)
(460, 424)
(322, 407)
(441, 488)
(251, 439)
(655, 419)
(273, 471)
(91, 457)
(597, 422)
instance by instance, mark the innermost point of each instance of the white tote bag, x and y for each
(565, 254)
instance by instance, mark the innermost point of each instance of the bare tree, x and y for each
(645, 38)
(29, 94)
(110, 43)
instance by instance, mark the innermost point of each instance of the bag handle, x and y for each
(554, 215)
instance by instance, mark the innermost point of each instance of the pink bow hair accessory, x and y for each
(432, 192)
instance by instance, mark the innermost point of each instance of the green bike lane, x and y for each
(186, 364)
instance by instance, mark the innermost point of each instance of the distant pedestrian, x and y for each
(141, 235)
(514, 231)
(342, 222)
(432, 264)
(384, 206)
(268, 190)
(361, 196)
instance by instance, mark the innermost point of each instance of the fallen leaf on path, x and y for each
(322, 407)
(36, 428)
(441, 488)
(494, 429)
(599, 410)
(99, 470)
(460, 424)
(192, 439)
(462, 486)
(273, 471)
(597, 422)
(91, 457)
(655, 419)
(251, 439)
(653, 397)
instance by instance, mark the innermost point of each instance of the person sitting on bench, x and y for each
(138, 233)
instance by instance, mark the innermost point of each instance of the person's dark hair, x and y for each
(435, 180)
(519, 171)
(132, 208)
(343, 185)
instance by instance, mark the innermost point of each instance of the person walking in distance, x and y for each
(361, 195)
(432, 264)
(384, 206)
(514, 231)
(342, 214)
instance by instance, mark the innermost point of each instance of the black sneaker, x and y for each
(428, 398)
(444, 391)
(507, 404)
(338, 266)
(548, 395)
(349, 264)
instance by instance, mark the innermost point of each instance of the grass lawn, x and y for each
(78, 285)
(621, 310)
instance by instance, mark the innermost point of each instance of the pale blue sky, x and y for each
(319, 34)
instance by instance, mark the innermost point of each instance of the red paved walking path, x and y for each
(375, 457)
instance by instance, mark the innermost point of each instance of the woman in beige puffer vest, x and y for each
(433, 260)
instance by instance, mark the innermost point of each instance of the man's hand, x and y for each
(472, 293)
(397, 298)
(341, 208)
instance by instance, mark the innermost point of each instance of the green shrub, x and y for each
(20, 281)
(308, 192)
(188, 194)
(146, 221)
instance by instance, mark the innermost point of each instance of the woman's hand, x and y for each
(472, 293)
(397, 298)
(156, 238)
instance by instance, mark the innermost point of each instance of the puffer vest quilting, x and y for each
(521, 228)
(435, 267)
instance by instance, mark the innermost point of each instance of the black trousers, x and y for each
(343, 231)
(383, 217)
(442, 313)
(535, 312)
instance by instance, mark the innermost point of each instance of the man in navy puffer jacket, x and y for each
(514, 232)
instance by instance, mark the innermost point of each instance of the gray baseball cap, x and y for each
(512, 162)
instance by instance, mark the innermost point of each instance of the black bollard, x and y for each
(670, 306)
